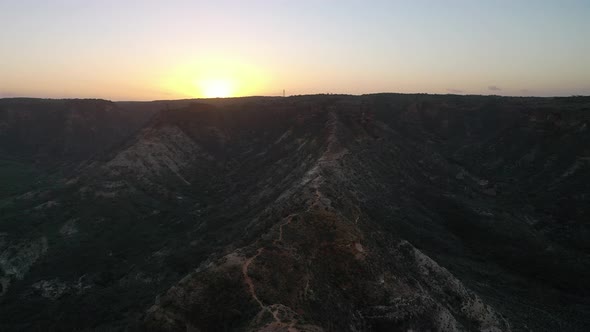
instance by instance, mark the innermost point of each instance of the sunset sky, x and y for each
(145, 50)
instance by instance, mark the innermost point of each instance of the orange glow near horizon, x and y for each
(180, 49)
(215, 78)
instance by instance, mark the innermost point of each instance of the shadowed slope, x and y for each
(368, 213)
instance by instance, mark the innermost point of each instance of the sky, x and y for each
(147, 50)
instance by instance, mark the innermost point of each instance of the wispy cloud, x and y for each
(451, 90)
(494, 88)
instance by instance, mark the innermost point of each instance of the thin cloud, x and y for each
(451, 90)
(494, 88)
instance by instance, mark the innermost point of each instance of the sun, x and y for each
(214, 78)
(217, 88)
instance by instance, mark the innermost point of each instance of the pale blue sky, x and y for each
(120, 49)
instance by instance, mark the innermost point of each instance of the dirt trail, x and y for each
(333, 149)
(249, 282)
(332, 154)
(252, 288)
(289, 219)
(316, 200)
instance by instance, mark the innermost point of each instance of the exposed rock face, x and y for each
(16, 260)
(313, 213)
(158, 152)
(69, 229)
(51, 289)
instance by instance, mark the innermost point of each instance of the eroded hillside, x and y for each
(313, 213)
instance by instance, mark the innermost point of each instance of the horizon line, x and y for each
(296, 95)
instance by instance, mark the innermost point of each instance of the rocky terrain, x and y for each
(379, 212)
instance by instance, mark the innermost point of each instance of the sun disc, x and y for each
(218, 88)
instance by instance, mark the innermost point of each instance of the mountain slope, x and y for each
(316, 267)
(54, 131)
(368, 213)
